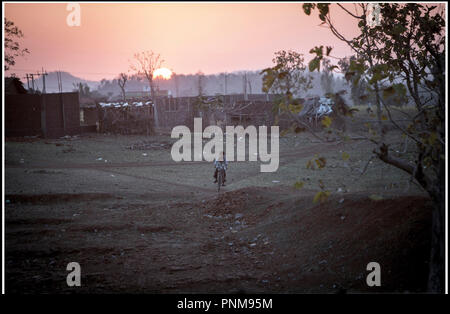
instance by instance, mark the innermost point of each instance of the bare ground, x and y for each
(251, 240)
(139, 226)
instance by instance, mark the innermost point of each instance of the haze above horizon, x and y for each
(191, 37)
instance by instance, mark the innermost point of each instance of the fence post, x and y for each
(43, 116)
(63, 113)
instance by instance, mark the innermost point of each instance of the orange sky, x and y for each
(211, 37)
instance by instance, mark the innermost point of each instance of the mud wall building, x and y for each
(47, 115)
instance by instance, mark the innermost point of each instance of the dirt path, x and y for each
(252, 240)
(163, 182)
(285, 158)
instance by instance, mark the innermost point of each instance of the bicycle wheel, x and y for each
(219, 179)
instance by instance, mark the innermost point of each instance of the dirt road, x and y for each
(141, 224)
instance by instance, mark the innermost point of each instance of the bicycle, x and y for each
(220, 178)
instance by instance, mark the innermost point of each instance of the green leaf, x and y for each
(331, 68)
(379, 72)
(323, 8)
(295, 109)
(284, 132)
(357, 66)
(376, 197)
(321, 162)
(321, 196)
(326, 121)
(307, 8)
(317, 50)
(299, 185)
(396, 89)
(345, 156)
(314, 64)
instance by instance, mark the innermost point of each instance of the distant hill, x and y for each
(51, 82)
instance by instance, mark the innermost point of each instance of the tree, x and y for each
(358, 88)
(176, 83)
(12, 46)
(326, 77)
(121, 81)
(82, 88)
(145, 64)
(201, 104)
(404, 51)
(288, 75)
(200, 83)
(286, 79)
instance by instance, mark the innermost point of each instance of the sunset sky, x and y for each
(211, 37)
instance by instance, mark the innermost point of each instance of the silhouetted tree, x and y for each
(404, 51)
(12, 46)
(146, 63)
(121, 81)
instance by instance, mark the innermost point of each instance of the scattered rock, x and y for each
(147, 145)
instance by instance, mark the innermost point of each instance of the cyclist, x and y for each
(220, 162)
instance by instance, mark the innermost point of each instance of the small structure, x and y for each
(47, 115)
(125, 117)
(14, 86)
(315, 108)
(88, 114)
(138, 116)
(245, 113)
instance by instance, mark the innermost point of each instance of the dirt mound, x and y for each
(326, 247)
(54, 198)
(258, 240)
(234, 201)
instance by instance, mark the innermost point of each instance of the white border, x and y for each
(3, 107)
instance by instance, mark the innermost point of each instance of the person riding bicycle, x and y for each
(220, 163)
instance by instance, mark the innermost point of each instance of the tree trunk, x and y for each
(155, 106)
(436, 277)
(123, 94)
(436, 191)
(436, 282)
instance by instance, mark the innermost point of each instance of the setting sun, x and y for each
(165, 73)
